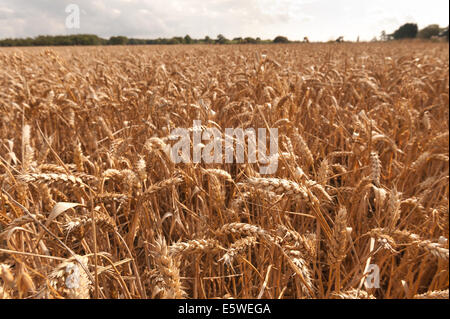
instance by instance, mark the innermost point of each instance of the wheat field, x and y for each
(93, 207)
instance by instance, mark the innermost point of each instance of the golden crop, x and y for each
(92, 206)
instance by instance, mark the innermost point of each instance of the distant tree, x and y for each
(249, 40)
(280, 39)
(221, 39)
(207, 40)
(187, 39)
(406, 31)
(82, 39)
(77, 39)
(92, 39)
(174, 40)
(136, 41)
(238, 40)
(444, 33)
(429, 31)
(179, 40)
(119, 40)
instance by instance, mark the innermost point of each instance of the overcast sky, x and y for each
(320, 20)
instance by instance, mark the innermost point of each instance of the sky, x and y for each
(320, 20)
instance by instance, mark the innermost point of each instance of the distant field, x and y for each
(92, 205)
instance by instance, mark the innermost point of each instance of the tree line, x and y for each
(406, 31)
(92, 39)
(411, 31)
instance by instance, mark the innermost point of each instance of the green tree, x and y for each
(444, 33)
(429, 31)
(119, 40)
(250, 40)
(406, 31)
(187, 39)
(280, 39)
(207, 40)
(177, 40)
(221, 39)
(238, 40)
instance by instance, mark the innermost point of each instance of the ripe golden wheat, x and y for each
(92, 206)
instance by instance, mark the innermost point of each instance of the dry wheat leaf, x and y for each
(58, 209)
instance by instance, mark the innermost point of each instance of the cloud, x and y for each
(156, 18)
(6, 13)
(318, 19)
